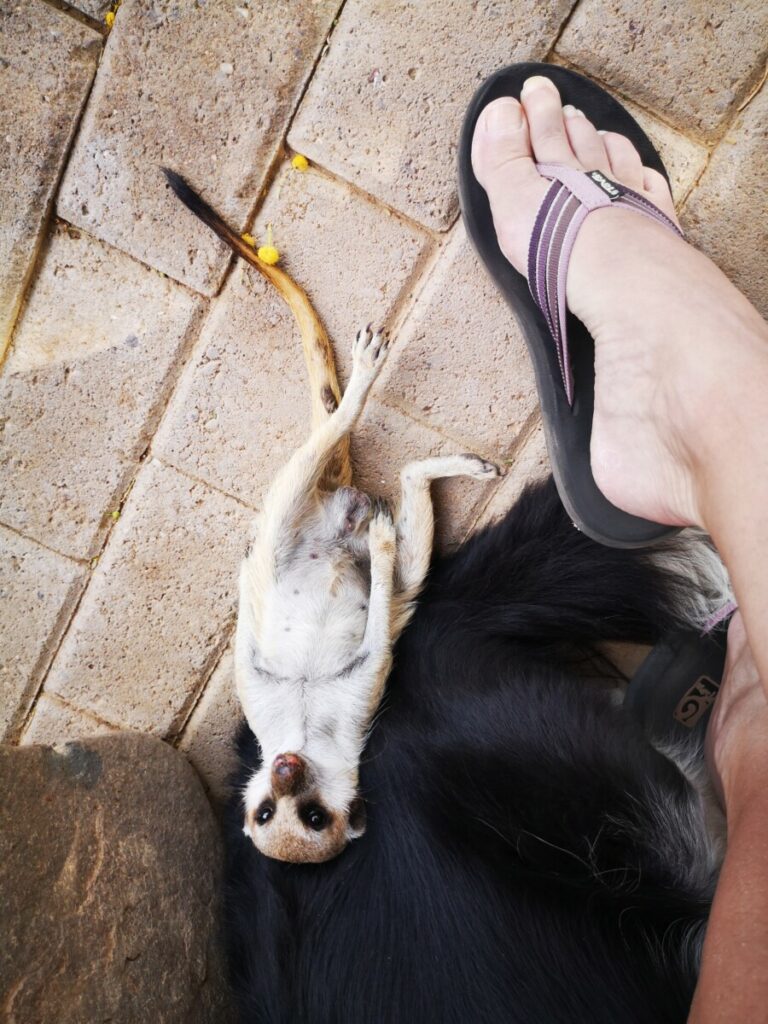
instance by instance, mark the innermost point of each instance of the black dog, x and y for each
(530, 857)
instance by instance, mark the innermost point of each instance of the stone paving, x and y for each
(152, 385)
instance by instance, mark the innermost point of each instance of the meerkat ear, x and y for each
(357, 818)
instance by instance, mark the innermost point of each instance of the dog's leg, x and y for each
(416, 519)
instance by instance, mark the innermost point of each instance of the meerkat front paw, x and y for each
(480, 469)
(369, 350)
(382, 531)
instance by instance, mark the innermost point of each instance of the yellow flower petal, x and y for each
(249, 240)
(109, 19)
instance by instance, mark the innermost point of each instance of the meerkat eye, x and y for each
(264, 813)
(315, 817)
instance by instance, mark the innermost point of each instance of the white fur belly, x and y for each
(314, 621)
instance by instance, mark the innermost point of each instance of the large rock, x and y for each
(109, 881)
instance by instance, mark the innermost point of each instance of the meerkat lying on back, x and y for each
(328, 583)
(325, 591)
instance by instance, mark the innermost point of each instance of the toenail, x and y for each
(536, 82)
(569, 111)
(503, 114)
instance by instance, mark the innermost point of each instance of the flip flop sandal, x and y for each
(561, 348)
(673, 692)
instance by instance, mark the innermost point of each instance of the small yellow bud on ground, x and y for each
(268, 253)
(249, 240)
(299, 162)
(109, 19)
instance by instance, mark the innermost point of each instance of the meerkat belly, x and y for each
(315, 619)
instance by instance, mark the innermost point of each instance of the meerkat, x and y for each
(327, 585)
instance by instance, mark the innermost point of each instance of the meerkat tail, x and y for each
(325, 393)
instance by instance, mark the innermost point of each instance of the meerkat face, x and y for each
(289, 818)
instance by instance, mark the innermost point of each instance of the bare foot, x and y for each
(670, 330)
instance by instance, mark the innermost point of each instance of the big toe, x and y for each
(502, 161)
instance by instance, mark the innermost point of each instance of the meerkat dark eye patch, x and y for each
(357, 815)
(315, 817)
(264, 812)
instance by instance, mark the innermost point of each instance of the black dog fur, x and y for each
(529, 856)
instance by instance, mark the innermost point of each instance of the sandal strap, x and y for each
(573, 195)
(719, 616)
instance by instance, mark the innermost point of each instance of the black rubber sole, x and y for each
(567, 429)
(673, 692)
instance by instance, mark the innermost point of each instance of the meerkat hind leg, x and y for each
(292, 487)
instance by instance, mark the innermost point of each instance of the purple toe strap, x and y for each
(570, 199)
(719, 616)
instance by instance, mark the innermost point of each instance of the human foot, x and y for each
(512, 137)
(659, 363)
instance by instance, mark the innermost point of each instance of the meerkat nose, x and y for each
(287, 765)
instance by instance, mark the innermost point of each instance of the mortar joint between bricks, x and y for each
(179, 725)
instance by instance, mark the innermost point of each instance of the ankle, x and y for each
(727, 437)
(604, 268)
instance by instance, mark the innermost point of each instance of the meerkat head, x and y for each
(291, 816)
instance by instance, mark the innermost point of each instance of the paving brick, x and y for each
(725, 215)
(530, 463)
(356, 259)
(460, 363)
(385, 105)
(689, 62)
(47, 61)
(205, 89)
(386, 440)
(81, 391)
(93, 8)
(242, 407)
(38, 590)
(160, 600)
(683, 158)
(54, 721)
(209, 737)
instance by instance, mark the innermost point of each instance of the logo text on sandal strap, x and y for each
(696, 701)
(610, 188)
